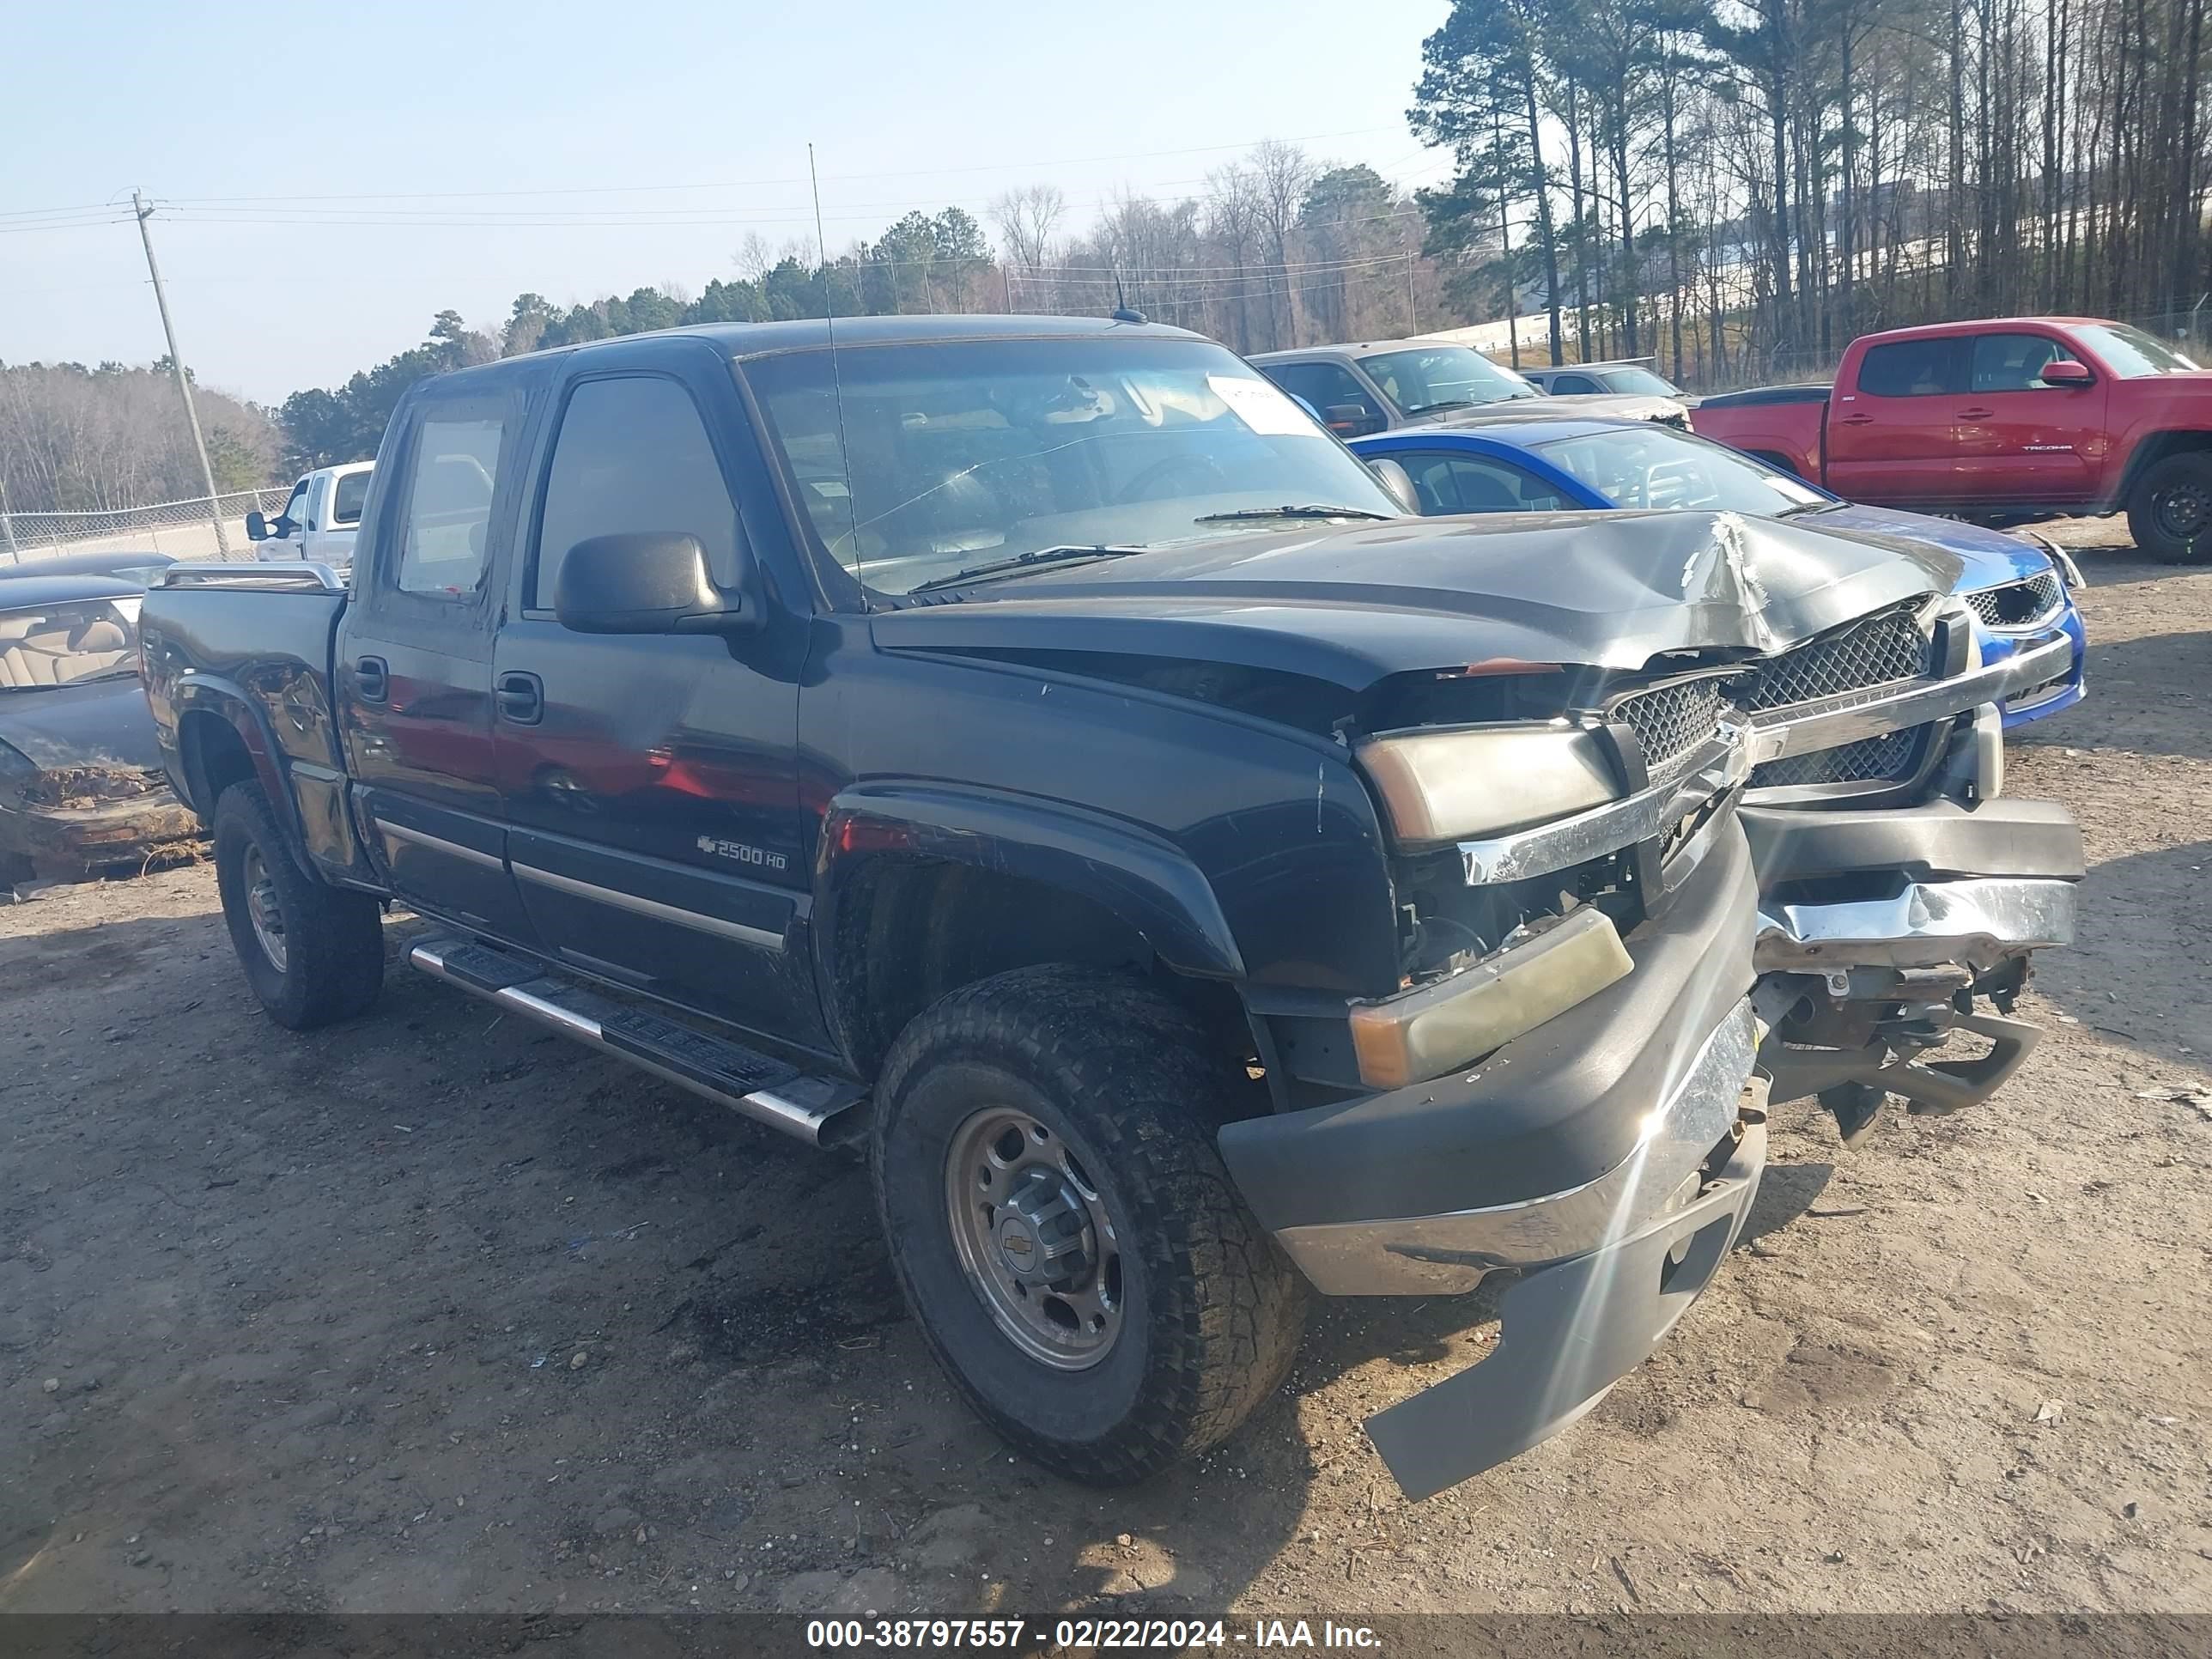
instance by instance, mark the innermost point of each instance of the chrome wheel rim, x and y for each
(1035, 1238)
(265, 914)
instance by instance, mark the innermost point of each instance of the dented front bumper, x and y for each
(1582, 1153)
(1879, 928)
(1567, 1333)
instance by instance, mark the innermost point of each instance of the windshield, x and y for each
(1656, 467)
(918, 462)
(1444, 377)
(64, 644)
(1640, 380)
(2131, 353)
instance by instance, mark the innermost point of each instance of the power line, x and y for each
(800, 179)
(107, 216)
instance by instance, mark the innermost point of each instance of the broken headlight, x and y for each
(1438, 784)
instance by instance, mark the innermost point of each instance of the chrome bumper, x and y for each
(1809, 729)
(1445, 1254)
(1975, 922)
(1724, 762)
(1728, 758)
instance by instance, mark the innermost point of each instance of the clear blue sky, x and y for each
(908, 105)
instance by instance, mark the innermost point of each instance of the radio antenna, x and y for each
(837, 385)
(1123, 313)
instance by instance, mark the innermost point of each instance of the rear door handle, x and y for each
(371, 680)
(521, 698)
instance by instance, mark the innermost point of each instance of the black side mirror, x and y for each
(1352, 420)
(256, 527)
(1399, 482)
(656, 582)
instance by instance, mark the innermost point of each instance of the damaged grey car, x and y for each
(81, 781)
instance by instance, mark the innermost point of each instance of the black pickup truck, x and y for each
(1034, 749)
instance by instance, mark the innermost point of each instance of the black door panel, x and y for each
(415, 648)
(653, 801)
(709, 942)
(720, 905)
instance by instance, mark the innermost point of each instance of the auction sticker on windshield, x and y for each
(1262, 407)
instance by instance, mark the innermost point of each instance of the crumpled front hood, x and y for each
(1354, 605)
(1988, 558)
(99, 723)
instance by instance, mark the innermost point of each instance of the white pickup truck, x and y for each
(318, 519)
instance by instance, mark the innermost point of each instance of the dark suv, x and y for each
(1035, 749)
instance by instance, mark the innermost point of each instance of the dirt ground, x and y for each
(432, 1311)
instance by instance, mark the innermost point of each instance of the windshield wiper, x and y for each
(1024, 562)
(1290, 510)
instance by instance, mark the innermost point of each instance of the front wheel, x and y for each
(2170, 509)
(313, 953)
(1063, 1229)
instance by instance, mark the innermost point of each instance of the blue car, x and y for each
(2022, 592)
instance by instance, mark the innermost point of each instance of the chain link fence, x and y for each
(183, 530)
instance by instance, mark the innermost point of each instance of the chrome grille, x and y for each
(1870, 759)
(1878, 651)
(2018, 605)
(1672, 720)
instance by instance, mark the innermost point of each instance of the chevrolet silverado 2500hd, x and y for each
(2014, 417)
(1034, 748)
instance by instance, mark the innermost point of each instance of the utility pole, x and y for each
(184, 381)
(8, 526)
(1412, 314)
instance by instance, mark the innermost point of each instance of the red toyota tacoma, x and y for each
(2011, 417)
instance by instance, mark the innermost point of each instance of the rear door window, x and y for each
(447, 519)
(352, 491)
(1323, 386)
(633, 456)
(1564, 385)
(1914, 368)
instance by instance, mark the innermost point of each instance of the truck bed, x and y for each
(1758, 396)
(238, 674)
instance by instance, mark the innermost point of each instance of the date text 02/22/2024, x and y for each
(1086, 1635)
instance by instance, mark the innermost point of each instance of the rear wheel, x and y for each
(2170, 509)
(1063, 1227)
(313, 953)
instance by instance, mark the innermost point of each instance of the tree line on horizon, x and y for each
(1279, 250)
(1741, 187)
(74, 439)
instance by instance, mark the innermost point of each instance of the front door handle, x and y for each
(1855, 420)
(521, 698)
(1976, 414)
(371, 680)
